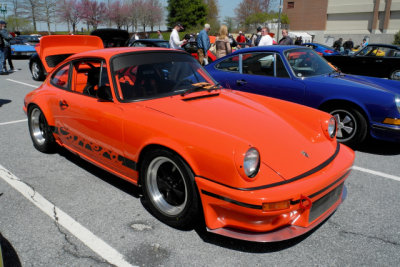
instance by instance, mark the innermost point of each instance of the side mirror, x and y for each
(104, 93)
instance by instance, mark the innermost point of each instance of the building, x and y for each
(327, 20)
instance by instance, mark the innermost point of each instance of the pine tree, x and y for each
(190, 13)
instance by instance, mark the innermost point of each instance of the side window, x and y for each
(258, 64)
(281, 71)
(366, 51)
(61, 77)
(229, 64)
(89, 76)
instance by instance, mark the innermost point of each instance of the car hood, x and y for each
(283, 132)
(362, 82)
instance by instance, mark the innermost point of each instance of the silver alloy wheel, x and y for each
(166, 186)
(395, 75)
(38, 126)
(35, 70)
(347, 124)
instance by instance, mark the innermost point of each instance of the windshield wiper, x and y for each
(201, 86)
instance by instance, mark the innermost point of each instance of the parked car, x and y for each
(361, 105)
(154, 117)
(150, 43)
(24, 45)
(40, 67)
(322, 50)
(377, 60)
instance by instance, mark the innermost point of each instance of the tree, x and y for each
(17, 20)
(212, 13)
(397, 38)
(70, 11)
(248, 8)
(18, 24)
(156, 14)
(190, 13)
(229, 22)
(93, 12)
(48, 8)
(32, 9)
(118, 13)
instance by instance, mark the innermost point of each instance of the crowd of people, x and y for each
(346, 47)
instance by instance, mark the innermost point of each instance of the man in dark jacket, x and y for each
(348, 45)
(338, 44)
(286, 40)
(4, 37)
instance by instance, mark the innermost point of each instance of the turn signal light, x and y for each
(272, 206)
(392, 121)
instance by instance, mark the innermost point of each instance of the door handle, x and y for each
(63, 104)
(241, 82)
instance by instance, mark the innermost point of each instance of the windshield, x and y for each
(306, 63)
(156, 74)
(162, 44)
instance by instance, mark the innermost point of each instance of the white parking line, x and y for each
(61, 218)
(27, 84)
(12, 122)
(385, 175)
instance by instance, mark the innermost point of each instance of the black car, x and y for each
(150, 43)
(377, 60)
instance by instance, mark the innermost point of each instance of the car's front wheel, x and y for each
(41, 135)
(37, 71)
(168, 188)
(395, 74)
(352, 125)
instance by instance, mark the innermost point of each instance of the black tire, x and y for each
(352, 125)
(37, 71)
(41, 134)
(169, 189)
(395, 74)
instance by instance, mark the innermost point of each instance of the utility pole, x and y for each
(279, 21)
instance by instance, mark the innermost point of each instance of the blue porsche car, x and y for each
(361, 105)
(323, 50)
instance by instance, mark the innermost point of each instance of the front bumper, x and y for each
(386, 132)
(239, 213)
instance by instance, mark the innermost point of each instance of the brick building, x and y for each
(327, 20)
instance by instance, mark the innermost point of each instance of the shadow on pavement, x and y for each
(4, 101)
(378, 147)
(10, 256)
(113, 180)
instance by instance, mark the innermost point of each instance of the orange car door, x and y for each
(87, 124)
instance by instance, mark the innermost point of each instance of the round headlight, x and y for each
(251, 162)
(397, 101)
(332, 127)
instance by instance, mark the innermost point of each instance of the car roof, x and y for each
(269, 48)
(107, 53)
(150, 40)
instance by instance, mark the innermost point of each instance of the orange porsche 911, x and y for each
(255, 168)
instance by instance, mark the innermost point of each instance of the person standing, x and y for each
(266, 38)
(255, 39)
(337, 45)
(7, 51)
(174, 41)
(241, 40)
(364, 43)
(222, 42)
(286, 40)
(348, 46)
(203, 44)
(160, 36)
(4, 37)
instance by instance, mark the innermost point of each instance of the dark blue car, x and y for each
(323, 50)
(362, 105)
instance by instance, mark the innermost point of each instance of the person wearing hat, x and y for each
(174, 41)
(256, 37)
(203, 44)
(4, 38)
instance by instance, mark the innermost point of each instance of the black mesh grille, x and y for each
(324, 203)
(53, 61)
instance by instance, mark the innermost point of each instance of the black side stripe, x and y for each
(308, 173)
(250, 206)
(259, 207)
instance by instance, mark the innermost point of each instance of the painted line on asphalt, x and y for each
(12, 122)
(382, 174)
(27, 84)
(61, 218)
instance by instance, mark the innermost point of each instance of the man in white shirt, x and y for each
(266, 38)
(174, 41)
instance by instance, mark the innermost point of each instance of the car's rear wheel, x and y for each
(37, 71)
(42, 137)
(168, 188)
(395, 74)
(352, 125)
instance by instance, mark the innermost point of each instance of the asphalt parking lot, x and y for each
(58, 210)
